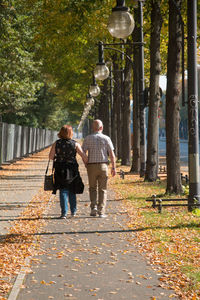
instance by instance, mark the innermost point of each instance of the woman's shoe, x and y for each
(63, 217)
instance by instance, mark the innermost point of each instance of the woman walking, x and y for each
(63, 152)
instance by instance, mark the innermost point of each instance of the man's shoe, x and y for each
(102, 216)
(73, 214)
(93, 212)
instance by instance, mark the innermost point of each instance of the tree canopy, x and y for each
(51, 46)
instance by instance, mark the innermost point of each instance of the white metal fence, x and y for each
(17, 141)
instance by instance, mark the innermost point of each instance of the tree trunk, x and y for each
(119, 115)
(141, 92)
(111, 101)
(154, 99)
(104, 107)
(172, 101)
(126, 130)
(135, 168)
(95, 109)
(90, 129)
(85, 129)
(114, 109)
(117, 105)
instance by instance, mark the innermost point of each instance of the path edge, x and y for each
(23, 271)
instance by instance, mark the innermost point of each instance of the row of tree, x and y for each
(49, 50)
(120, 132)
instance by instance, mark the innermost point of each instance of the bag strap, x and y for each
(48, 167)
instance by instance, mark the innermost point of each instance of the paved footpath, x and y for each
(87, 257)
(19, 182)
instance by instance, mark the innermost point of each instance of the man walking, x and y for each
(99, 147)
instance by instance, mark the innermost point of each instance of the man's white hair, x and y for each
(97, 124)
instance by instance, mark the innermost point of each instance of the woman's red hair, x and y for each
(66, 132)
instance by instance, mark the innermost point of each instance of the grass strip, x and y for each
(170, 240)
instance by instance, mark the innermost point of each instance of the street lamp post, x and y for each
(101, 71)
(194, 184)
(121, 25)
(94, 89)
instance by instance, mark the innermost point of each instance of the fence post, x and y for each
(1, 143)
(10, 142)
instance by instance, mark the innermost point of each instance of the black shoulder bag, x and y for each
(48, 179)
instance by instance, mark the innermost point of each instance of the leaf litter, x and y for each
(169, 240)
(180, 245)
(19, 243)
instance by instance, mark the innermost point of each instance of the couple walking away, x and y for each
(94, 152)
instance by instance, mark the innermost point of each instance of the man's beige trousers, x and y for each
(98, 178)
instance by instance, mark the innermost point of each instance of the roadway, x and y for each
(183, 150)
(183, 154)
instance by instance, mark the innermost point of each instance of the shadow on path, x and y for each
(14, 238)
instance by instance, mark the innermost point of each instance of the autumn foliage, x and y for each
(170, 240)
